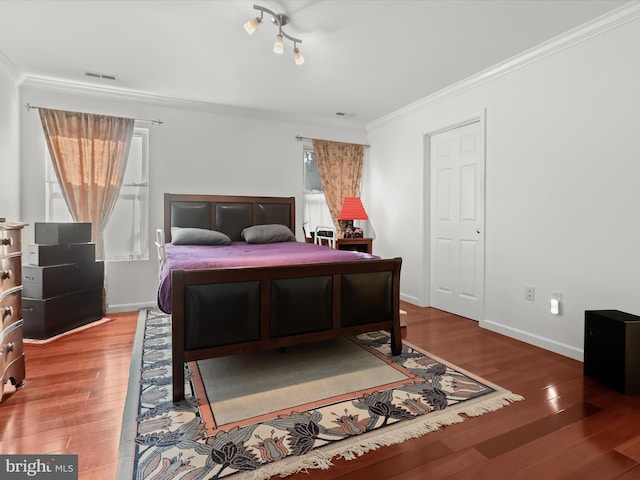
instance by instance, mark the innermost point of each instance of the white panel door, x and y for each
(456, 267)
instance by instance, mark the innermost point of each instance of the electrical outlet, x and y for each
(530, 293)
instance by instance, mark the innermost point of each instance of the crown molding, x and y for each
(9, 68)
(65, 86)
(62, 86)
(602, 24)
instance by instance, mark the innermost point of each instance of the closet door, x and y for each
(456, 266)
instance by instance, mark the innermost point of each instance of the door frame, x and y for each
(426, 201)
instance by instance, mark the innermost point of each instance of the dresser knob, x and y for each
(7, 312)
(7, 241)
(5, 274)
(9, 347)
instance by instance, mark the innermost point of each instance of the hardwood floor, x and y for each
(568, 427)
(73, 398)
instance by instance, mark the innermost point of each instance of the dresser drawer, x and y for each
(53, 280)
(45, 255)
(10, 272)
(11, 350)
(10, 307)
(9, 241)
(51, 316)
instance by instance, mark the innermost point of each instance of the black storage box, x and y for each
(49, 281)
(612, 349)
(45, 255)
(62, 233)
(52, 316)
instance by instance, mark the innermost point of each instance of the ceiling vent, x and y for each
(104, 76)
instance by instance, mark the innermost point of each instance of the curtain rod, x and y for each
(155, 122)
(301, 138)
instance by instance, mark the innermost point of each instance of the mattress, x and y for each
(241, 254)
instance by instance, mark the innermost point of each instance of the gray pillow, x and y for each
(272, 233)
(198, 236)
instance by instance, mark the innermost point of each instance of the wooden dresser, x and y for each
(11, 354)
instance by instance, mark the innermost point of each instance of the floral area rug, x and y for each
(276, 413)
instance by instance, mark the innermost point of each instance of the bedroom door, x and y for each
(456, 267)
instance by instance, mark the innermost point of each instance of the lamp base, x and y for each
(349, 231)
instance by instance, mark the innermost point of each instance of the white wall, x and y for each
(9, 144)
(562, 186)
(199, 149)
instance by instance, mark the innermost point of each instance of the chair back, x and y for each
(325, 236)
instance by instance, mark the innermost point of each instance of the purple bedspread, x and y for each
(241, 254)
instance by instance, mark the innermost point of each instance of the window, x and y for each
(126, 236)
(316, 210)
(312, 182)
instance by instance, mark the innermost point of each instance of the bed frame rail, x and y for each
(218, 312)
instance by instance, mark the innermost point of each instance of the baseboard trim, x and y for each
(130, 307)
(410, 299)
(536, 340)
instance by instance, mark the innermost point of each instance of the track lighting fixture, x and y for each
(280, 20)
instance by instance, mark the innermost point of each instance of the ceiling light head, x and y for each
(278, 47)
(297, 56)
(253, 24)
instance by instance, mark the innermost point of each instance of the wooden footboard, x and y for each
(218, 312)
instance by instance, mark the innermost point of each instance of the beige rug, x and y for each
(273, 414)
(286, 379)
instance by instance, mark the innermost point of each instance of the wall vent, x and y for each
(104, 76)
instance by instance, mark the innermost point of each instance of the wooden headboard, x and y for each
(228, 214)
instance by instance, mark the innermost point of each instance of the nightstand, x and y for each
(354, 243)
(611, 355)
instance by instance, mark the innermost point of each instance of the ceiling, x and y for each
(363, 58)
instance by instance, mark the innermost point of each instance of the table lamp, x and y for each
(352, 209)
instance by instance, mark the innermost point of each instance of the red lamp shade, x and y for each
(352, 209)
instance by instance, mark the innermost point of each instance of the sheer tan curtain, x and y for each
(89, 154)
(340, 168)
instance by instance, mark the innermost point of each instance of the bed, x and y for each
(260, 292)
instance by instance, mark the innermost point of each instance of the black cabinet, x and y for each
(62, 233)
(612, 349)
(62, 282)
